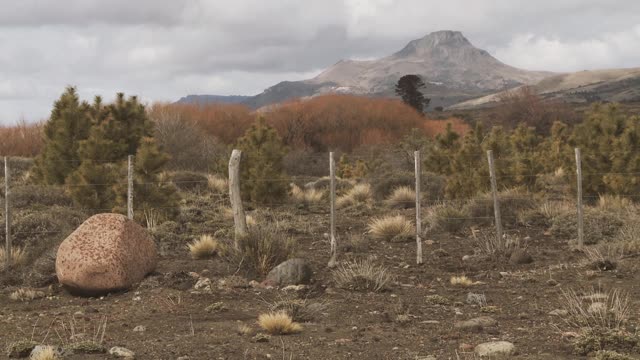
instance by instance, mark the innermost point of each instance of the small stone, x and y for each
(137, 298)
(520, 257)
(476, 325)
(552, 282)
(203, 284)
(495, 348)
(78, 313)
(504, 274)
(183, 358)
(139, 328)
(261, 338)
(466, 258)
(118, 351)
(295, 288)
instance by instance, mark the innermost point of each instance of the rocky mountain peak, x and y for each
(439, 39)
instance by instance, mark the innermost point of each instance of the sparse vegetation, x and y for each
(359, 194)
(402, 198)
(278, 323)
(205, 247)
(46, 353)
(263, 248)
(460, 281)
(362, 275)
(306, 196)
(24, 294)
(391, 228)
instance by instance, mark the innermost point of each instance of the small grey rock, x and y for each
(40, 348)
(291, 272)
(140, 328)
(495, 348)
(476, 325)
(118, 351)
(558, 312)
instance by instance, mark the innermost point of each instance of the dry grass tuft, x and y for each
(278, 323)
(461, 281)
(449, 218)
(596, 309)
(402, 197)
(300, 310)
(488, 243)
(362, 276)
(24, 294)
(45, 353)
(306, 196)
(205, 247)
(263, 248)
(390, 228)
(18, 257)
(244, 330)
(217, 184)
(614, 203)
(359, 194)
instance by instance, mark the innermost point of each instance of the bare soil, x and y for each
(354, 325)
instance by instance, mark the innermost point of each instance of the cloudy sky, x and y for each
(165, 49)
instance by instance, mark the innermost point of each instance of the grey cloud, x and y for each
(164, 49)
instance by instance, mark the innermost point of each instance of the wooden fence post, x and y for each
(580, 213)
(332, 199)
(7, 213)
(418, 163)
(239, 218)
(130, 187)
(494, 192)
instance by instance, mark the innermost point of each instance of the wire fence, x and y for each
(397, 164)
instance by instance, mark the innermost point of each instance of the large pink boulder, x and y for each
(108, 252)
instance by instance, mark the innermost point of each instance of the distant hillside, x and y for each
(212, 99)
(613, 85)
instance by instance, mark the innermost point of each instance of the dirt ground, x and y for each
(396, 324)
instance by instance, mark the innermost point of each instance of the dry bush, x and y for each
(512, 201)
(189, 180)
(25, 295)
(615, 203)
(627, 240)
(450, 218)
(218, 184)
(343, 122)
(402, 197)
(599, 225)
(362, 275)
(546, 213)
(226, 122)
(300, 310)
(278, 323)
(244, 330)
(306, 196)
(488, 244)
(596, 309)
(359, 194)
(432, 185)
(391, 228)
(263, 248)
(18, 257)
(324, 183)
(189, 147)
(21, 140)
(460, 281)
(205, 247)
(38, 195)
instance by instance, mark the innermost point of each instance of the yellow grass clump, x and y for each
(306, 196)
(461, 281)
(217, 184)
(390, 228)
(278, 323)
(18, 257)
(205, 247)
(24, 294)
(402, 197)
(359, 194)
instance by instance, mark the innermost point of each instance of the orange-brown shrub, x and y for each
(337, 122)
(21, 139)
(227, 122)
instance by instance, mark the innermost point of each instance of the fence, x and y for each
(239, 216)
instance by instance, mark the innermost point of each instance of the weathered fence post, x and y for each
(494, 192)
(418, 162)
(332, 199)
(239, 218)
(130, 187)
(7, 213)
(580, 214)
